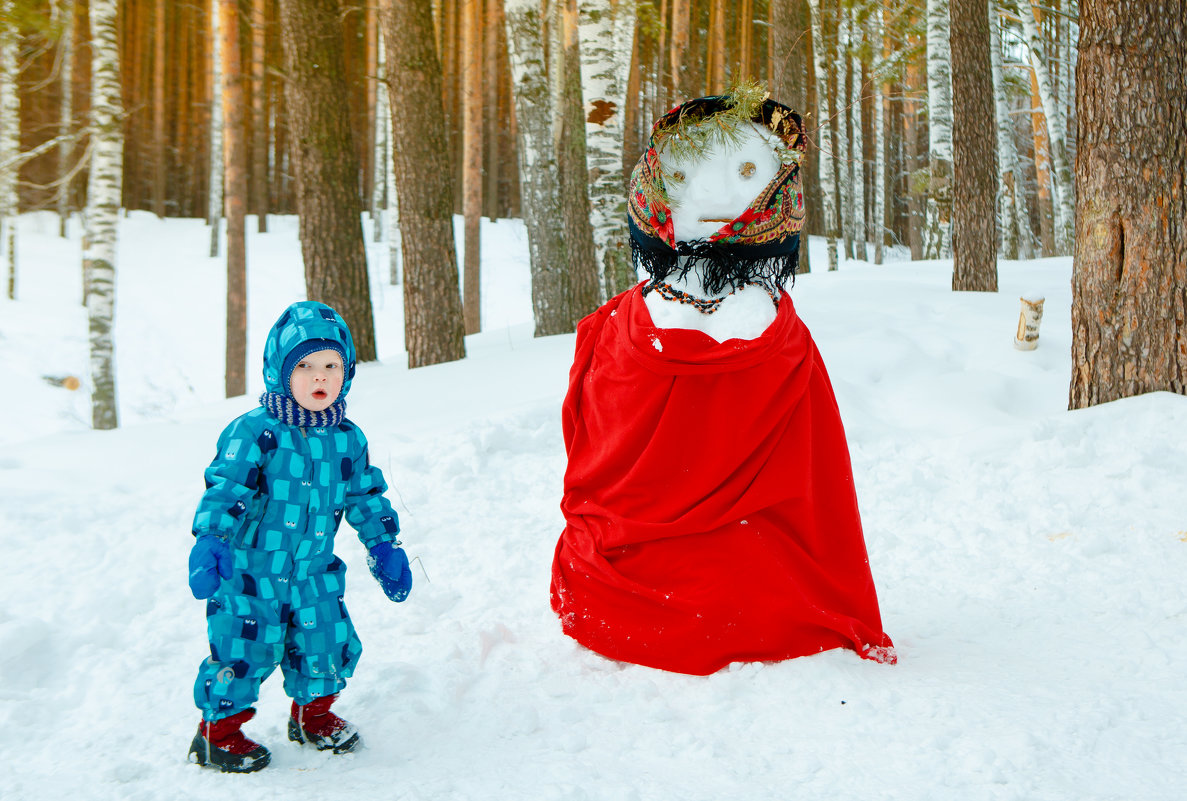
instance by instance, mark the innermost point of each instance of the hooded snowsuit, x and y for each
(276, 493)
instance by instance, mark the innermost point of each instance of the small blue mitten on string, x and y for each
(210, 563)
(389, 566)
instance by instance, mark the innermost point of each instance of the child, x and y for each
(285, 475)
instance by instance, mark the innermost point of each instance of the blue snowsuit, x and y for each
(277, 493)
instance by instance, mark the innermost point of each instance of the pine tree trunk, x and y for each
(606, 36)
(789, 54)
(234, 115)
(159, 165)
(974, 150)
(937, 237)
(103, 210)
(1056, 135)
(259, 114)
(433, 326)
(214, 199)
(10, 146)
(327, 164)
(472, 183)
(1129, 283)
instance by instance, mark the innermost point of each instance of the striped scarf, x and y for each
(287, 410)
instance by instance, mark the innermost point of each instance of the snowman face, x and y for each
(710, 189)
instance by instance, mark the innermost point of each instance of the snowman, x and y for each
(710, 512)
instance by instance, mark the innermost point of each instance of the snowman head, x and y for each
(718, 191)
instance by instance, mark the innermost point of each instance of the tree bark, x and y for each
(327, 164)
(103, 210)
(259, 114)
(824, 139)
(1129, 282)
(472, 182)
(234, 116)
(10, 145)
(937, 242)
(214, 202)
(606, 36)
(433, 326)
(974, 150)
(543, 211)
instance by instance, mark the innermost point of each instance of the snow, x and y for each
(1029, 560)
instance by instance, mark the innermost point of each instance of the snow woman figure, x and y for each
(284, 476)
(708, 499)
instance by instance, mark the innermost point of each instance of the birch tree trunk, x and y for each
(10, 144)
(1007, 154)
(878, 214)
(974, 174)
(471, 66)
(824, 140)
(857, 146)
(607, 34)
(1061, 173)
(433, 326)
(103, 210)
(937, 237)
(234, 114)
(539, 171)
(1129, 281)
(390, 216)
(327, 164)
(65, 112)
(214, 199)
(380, 155)
(842, 129)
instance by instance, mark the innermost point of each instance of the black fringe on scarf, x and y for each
(721, 266)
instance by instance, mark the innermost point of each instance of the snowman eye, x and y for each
(678, 176)
(747, 170)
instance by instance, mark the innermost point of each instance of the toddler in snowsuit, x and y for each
(285, 475)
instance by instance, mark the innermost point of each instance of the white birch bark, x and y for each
(10, 145)
(65, 110)
(1061, 168)
(607, 30)
(844, 114)
(878, 212)
(103, 209)
(215, 199)
(937, 234)
(380, 156)
(538, 169)
(389, 217)
(823, 137)
(858, 193)
(1007, 154)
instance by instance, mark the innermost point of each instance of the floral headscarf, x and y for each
(762, 244)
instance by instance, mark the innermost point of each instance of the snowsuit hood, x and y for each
(301, 322)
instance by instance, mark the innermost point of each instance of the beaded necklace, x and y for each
(703, 305)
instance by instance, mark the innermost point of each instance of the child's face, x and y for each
(317, 380)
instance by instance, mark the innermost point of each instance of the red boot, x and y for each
(220, 744)
(315, 724)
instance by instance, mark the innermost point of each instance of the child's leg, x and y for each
(322, 647)
(246, 644)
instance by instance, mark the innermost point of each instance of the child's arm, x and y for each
(367, 509)
(233, 479)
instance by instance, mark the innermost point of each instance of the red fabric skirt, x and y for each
(709, 503)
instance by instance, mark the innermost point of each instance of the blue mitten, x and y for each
(389, 566)
(210, 562)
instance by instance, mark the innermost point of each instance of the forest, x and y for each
(969, 130)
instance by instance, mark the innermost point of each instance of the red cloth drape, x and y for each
(709, 503)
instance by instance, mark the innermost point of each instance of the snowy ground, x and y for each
(1029, 560)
